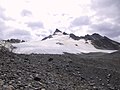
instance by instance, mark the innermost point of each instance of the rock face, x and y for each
(50, 36)
(106, 43)
(94, 36)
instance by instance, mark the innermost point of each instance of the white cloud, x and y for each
(35, 25)
(26, 13)
(80, 21)
(44, 16)
(21, 34)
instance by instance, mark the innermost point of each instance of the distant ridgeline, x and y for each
(14, 40)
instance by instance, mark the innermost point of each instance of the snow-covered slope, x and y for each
(57, 44)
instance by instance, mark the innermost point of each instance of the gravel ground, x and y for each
(93, 71)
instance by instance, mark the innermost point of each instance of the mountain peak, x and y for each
(96, 36)
(57, 31)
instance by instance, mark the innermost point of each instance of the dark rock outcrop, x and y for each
(64, 33)
(94, 36)
(106, 43)
(59, 43)
(102, 42)
(50, 36)
(14, 40)
(74, 37)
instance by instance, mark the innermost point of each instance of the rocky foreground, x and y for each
(94, 71)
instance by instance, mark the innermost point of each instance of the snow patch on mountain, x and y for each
(58, 44)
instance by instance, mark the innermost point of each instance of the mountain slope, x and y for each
(58, 43)
(101, 42)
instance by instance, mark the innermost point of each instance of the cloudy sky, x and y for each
(34, 19)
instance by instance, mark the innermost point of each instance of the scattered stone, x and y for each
(37, 78)
(95, 88)
(92, 84)
(1, 82)
(109, 75)
(50, 59)
(112, 88)
(10, 82)
(108, 84)
(42, 89)
(102, 84)
(82, 78)
(36, 75)
(70, 61)
(21, 88)
(108, 81)
(6, 87)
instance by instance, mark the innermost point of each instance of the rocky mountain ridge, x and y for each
(98, 41)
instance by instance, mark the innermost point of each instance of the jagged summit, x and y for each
(57, 31)
(94, 36)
